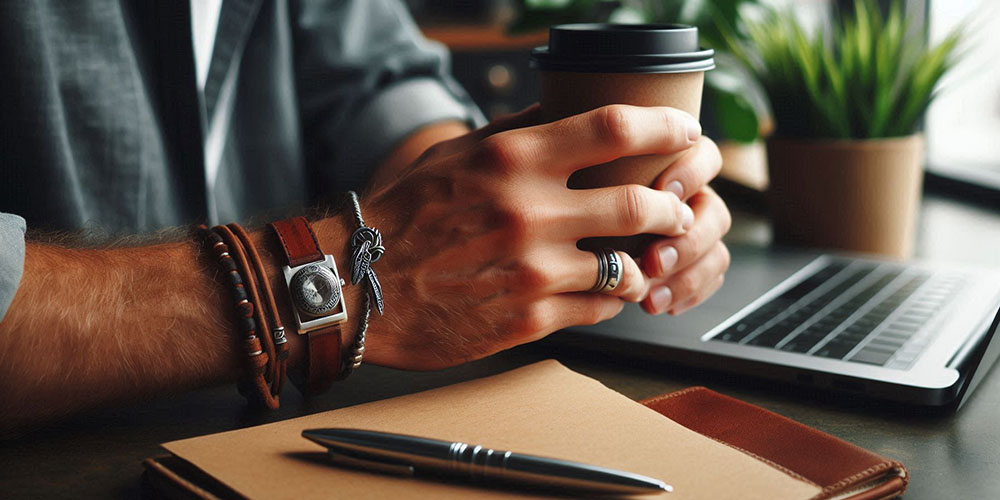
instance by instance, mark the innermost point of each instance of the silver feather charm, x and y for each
(366, 248)
(375, 290)
(361, 262)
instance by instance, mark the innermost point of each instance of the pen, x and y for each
(407, 455)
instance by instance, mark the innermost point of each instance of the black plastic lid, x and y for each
(623, 48)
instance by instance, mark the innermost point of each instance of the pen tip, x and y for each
(666, 487)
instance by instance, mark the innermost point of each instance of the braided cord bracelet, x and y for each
(366, 249)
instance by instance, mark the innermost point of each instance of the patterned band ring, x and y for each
(614, 264)
(602, 271)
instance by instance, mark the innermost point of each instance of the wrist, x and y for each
(334, 236)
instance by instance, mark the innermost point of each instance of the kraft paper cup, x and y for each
(586, 66)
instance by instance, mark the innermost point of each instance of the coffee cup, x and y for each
(586, 66)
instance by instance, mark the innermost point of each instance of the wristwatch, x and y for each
(316, 292)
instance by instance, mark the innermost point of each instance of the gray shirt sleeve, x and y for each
(11, 258)
(366, 79)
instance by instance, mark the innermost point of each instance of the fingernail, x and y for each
(693, 130)
(687, 217)
(668, 257)
(661, 298)
(676, 188)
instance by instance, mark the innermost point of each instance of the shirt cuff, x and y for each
(391, 116)
(11, 258)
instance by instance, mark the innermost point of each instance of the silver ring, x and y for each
(602, 271)
(609, 270)
(614, 264)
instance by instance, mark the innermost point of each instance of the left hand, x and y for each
(685, 270)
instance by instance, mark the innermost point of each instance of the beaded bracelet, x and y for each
(253, 385)
(267, 296)
(263, 389)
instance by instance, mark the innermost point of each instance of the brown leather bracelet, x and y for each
(323, 363)
(276, 329)
(253, 385)
(261, 389)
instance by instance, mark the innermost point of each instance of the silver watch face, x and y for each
(315, 290)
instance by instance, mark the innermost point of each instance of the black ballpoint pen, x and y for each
(402, 454)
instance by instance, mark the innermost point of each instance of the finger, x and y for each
(527, 117)
(579, 273)
(694, 301)
(625, 211)
(692, 283)
(712, 221)
(692, 170)
(570, 309)
(595, 137)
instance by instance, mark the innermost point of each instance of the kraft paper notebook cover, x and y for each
(708, 446)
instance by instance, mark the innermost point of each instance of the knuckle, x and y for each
(725, 256)
(531, 321)
(593, 316)
(529, 275)
(714, 155)
(615, 125)
(515, 221)
(727, 218)
(686, 285)
(679, 209)
(674, 126)
(635, 208)
(501, 152)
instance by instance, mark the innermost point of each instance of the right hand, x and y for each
(481, 231)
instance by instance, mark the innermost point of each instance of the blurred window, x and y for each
(963, 123)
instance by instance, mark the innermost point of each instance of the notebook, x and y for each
(704, 444)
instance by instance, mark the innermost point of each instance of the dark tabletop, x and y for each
(949, 456)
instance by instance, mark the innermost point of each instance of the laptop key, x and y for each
(736, 332)
(836, 349)
(887, 343)
(872, 356)
(800, 344)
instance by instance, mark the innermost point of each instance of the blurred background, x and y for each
(490, 41)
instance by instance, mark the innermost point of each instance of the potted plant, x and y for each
(845, 161)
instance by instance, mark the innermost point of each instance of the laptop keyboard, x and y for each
(858, 311)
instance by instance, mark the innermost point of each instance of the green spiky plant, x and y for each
(867, 76)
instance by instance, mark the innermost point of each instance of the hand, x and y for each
(686, 270)
(481, 233)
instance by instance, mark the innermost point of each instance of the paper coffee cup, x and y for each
(586, 66)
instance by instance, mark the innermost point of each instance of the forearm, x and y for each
(413, 146)
(93, 326)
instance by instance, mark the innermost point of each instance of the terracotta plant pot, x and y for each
(855, 195)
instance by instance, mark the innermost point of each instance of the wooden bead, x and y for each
(244, 308)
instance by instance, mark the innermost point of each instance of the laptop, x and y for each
(914, 333)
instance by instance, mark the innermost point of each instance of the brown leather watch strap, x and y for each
(298, 241)
(323, 363)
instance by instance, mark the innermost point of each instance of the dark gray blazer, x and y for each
(100, 125)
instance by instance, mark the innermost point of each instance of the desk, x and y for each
(98, 455)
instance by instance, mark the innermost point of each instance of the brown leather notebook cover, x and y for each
(841, 469)
(708, 446)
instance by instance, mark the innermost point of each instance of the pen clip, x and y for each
(354, 461)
